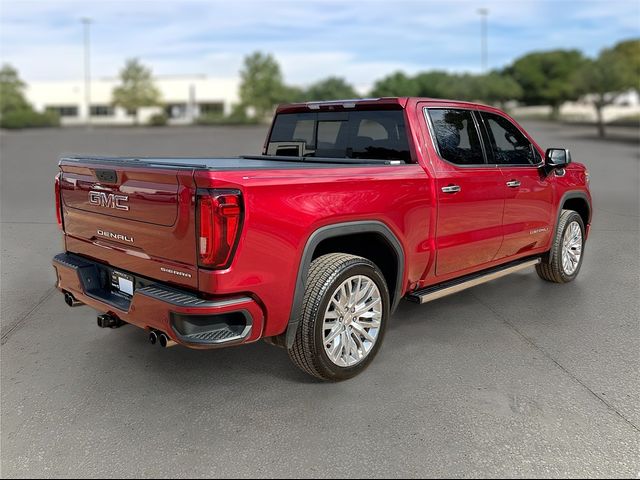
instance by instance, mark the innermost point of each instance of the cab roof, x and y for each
(382, 103)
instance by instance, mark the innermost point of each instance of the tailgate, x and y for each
(139, 219)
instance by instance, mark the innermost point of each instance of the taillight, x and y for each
(58, 202)
(219, 222)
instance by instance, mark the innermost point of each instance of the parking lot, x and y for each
(515, 378)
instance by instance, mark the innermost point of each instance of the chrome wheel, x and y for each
(571, 248)
(352, 321)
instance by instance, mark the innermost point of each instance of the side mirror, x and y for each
(557, 158)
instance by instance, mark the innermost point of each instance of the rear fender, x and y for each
(339, 230)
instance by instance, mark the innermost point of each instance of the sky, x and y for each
(311, 39)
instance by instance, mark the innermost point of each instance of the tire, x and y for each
(323, 300)
(553, 268)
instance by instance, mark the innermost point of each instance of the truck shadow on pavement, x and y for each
(128, 350)
(447, 321)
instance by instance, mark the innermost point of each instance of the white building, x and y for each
(183, 99)
(625, 105)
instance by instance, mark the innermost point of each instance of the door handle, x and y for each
(513, 184)
(451, 189)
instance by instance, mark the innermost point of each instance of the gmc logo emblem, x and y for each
(109, 200)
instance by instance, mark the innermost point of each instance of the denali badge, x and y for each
(115, 236)
(538, 230)
(109, 200)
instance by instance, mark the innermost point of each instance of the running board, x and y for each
(457, 285)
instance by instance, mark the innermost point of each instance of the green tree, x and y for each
(332, 88)
(137, 88)
(462, 87)
(292, 94)
(397, 84)
(602, 80)
(628, 52)
(11, 91)
(496, 88)
(15, 110)
(261, 84)
(437, 84)
(548, 78)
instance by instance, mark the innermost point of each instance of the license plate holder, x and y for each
(122, 283)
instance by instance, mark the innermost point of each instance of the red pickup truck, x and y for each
(352, 206)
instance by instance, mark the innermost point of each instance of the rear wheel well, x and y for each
(580, 206)
(370, 245)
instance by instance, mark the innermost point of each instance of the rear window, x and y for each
(375, 134)
(457, 136)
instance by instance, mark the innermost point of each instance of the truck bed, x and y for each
(139, 213)
(247, 162)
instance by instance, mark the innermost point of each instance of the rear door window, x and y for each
(457, 136)
(375, 134)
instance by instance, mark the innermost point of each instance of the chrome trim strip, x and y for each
(428, 297)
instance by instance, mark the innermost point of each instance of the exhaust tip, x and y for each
(70, 300)
(166, 342)
(153, 338)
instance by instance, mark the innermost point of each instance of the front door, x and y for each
(527, 221)
(470, 194)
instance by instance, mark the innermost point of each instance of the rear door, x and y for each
(470, 193)
(138, 219)
(527, 220)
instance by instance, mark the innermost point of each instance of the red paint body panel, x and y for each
(527, 218)
(278, 224)
(152, 196)
(161, 221)
(469, 229)
(536, 204)
(443, 236)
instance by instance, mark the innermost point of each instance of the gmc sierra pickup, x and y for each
(352, 206)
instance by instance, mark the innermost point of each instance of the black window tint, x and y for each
(332, 138)
(303, 131)
(457, 136)
(64, 110)
(101, 111)
(378, 134)
(372, 129)
(361, 134)
(509, 145)
(293, 127)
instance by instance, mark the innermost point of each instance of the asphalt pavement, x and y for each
(515, 378)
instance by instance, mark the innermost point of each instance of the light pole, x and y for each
(483, 12)
(86, 22)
